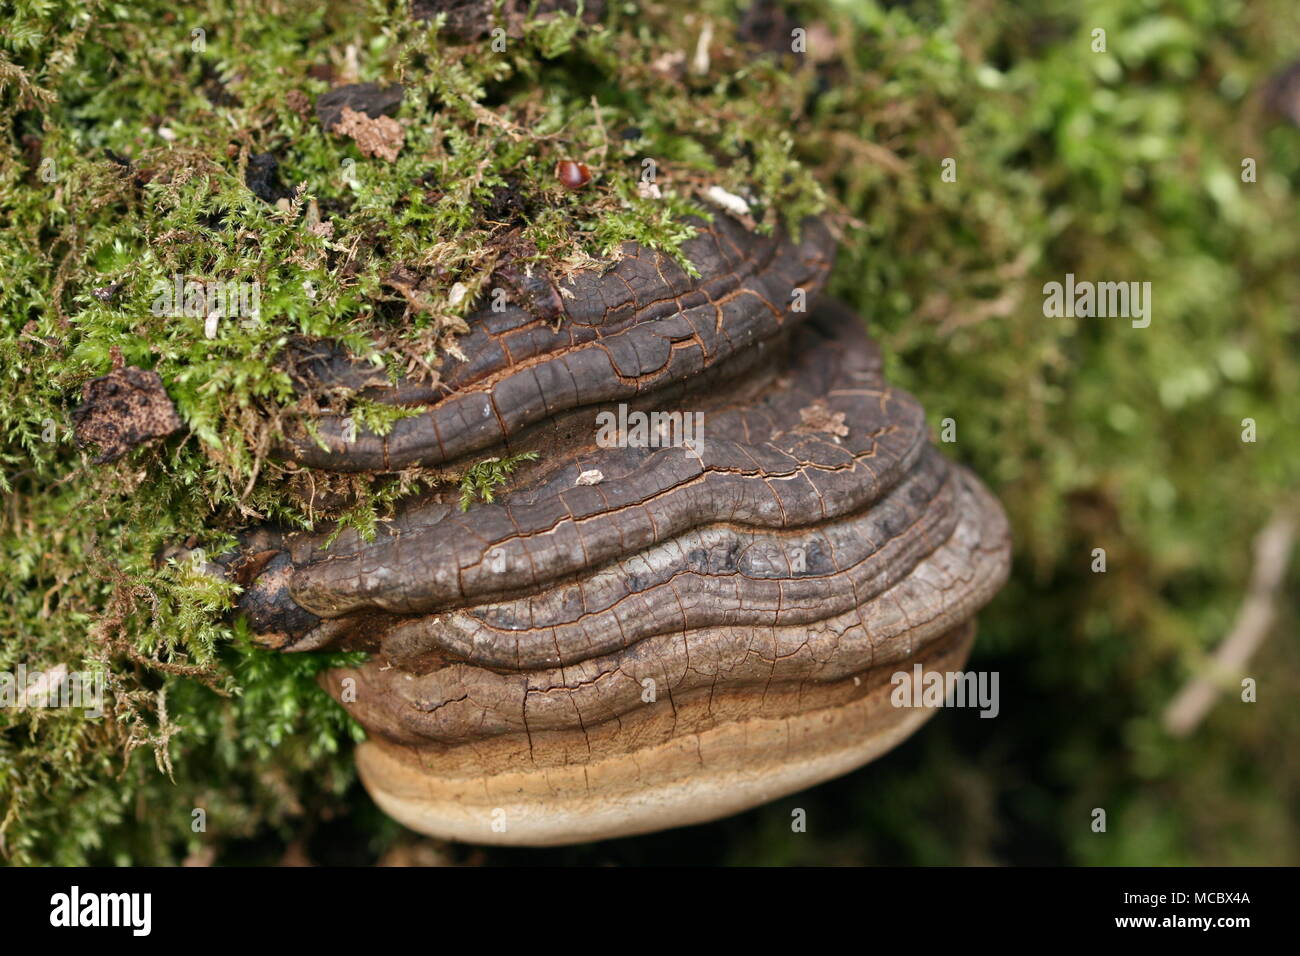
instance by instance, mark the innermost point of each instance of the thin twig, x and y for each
(1227, 664)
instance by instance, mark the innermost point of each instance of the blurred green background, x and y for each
(1115, 165)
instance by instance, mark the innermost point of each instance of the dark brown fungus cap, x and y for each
(638, 328)
(639, 636)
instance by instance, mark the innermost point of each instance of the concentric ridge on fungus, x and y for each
(699, 629)
(643, 326)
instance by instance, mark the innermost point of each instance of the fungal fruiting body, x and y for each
(712, 623)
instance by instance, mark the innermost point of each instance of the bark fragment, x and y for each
(378, 136)
(123, 409)
(370, 99)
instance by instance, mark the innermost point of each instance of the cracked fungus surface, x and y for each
(636, 636)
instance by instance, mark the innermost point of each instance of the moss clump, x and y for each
(482, 480)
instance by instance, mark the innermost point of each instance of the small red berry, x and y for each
(572, 175)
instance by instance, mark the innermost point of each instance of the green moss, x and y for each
(482, 480)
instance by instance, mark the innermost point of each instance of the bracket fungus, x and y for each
(652, 625)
